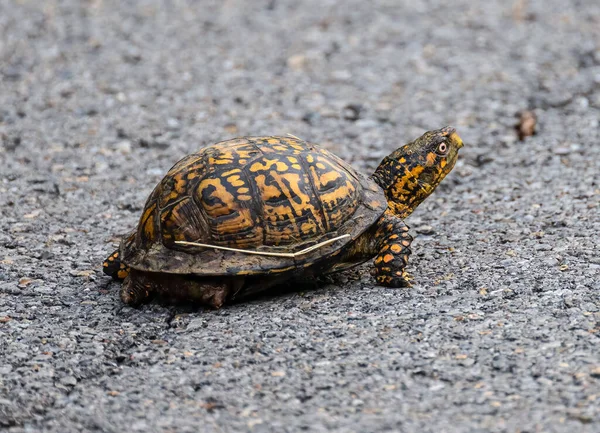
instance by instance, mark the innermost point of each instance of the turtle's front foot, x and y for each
(397, 280)
(394, 249)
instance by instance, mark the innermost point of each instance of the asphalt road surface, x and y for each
(501, 331)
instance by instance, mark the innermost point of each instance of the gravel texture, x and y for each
(501, 331)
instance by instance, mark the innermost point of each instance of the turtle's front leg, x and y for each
(393, 246)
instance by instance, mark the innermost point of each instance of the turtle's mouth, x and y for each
(454, 138)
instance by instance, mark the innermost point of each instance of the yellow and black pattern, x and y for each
(276, 194)
(113, 266)
(249, 193)
(393, 246)
(410, 174)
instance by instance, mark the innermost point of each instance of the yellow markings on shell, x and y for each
(280, 212)
(257, 166)
(298, 203)
(230, 172)
(266, 164)
(179, 183)
(245, 153)
(402, 160)
(244, 197)
(335, 216)
(277, 271)
(328, 177)
(185, 165)
(443, 163)
(339, 194)
(268, 191)
(338, 200)
(273, 140)
(295, 164)
(220, 145)
(147, 222)
(294, 191)
(221, 193)
(308, 227)
(235, 180)
(191, 175)
(286, 233)
(241, 222)
(388, 258)
(213, 161)
(243, 190)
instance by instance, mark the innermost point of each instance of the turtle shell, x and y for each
(262, 194)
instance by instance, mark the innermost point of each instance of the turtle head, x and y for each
(412, 172)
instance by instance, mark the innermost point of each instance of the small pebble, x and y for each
(425, 230)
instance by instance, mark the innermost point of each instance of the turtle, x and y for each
(243, 215)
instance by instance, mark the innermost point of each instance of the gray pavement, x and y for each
(501, 331)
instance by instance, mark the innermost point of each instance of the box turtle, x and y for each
(243, 215)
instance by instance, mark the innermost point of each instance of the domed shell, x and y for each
(262, 194)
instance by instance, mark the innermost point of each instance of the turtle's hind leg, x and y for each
(113, 267)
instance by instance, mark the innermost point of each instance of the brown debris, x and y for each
(24, 282)
(527, 124)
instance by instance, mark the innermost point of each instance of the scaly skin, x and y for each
(113, 266)
(393, 246)
(408, 176)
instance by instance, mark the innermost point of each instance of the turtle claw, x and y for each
(394, 282)
(399, 279)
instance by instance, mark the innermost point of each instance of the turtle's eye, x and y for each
(442, 148)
